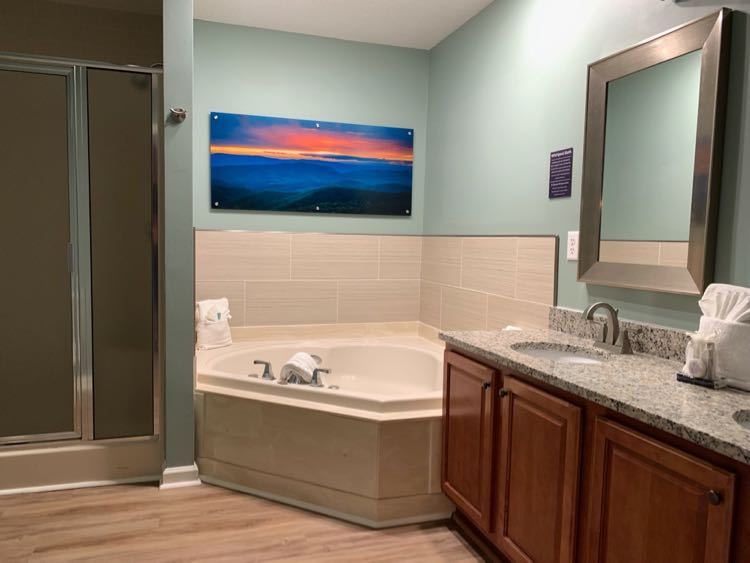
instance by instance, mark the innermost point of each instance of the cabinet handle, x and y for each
(714, 497)
(486, 385)
(503, 392)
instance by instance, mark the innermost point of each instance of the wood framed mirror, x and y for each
(652, 160)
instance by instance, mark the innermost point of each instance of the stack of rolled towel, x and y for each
(300, 366)
(720, 351)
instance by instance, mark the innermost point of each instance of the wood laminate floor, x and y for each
(205, 523)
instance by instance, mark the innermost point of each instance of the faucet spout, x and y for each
(611, 330)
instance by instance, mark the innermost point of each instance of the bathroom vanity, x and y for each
(556, 451)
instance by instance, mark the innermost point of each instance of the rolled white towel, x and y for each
(300, 364)
(695, 368)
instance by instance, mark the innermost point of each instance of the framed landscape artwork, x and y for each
(293, 165)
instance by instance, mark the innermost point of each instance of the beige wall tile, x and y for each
(320, 256)
(429, 303)
(536, 269)
(673, 254)
(503, 311)
(441, 260)
(224, 256)
(629, 252)
(489, 264)
(463, 309)
(378, 300)
(400, 257)
(232, 290)
(311, 332)
(290, 302)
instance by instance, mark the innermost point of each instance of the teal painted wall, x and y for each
(261, 72)
(649, 151)
(509, 87)
(178, 298)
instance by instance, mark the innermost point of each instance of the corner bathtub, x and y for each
(379, 378)
(367, 451)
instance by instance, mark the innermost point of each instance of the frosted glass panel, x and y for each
(121, 256)
(36, 359)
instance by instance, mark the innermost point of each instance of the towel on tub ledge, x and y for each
(212, 323)
(301, 365)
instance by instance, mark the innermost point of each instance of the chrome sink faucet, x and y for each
(611, 338)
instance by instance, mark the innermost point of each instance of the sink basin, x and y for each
(742, 417)
(559, 353)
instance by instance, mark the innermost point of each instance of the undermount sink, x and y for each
(742, 417)
(559, 353)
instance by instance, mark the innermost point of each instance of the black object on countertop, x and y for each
(709, 383)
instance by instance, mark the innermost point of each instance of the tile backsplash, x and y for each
(446, 282)
(471, 283)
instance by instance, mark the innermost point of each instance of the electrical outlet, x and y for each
(572, 245)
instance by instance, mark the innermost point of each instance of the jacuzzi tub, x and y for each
(367, 452)
(377, 378)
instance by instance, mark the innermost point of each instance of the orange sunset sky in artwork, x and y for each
(308, 140)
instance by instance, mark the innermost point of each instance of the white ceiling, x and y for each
(420, 24)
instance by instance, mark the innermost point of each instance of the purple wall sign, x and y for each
(560, 173)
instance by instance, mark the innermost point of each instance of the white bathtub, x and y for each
(342, 452)
(376, 378)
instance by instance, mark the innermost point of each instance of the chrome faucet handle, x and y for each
(316, 381)
(267, 371)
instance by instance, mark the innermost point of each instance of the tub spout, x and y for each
(267, 371)
(316, 381)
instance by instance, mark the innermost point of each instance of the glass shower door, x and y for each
(39, 382)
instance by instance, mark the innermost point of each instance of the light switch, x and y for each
(572, 245)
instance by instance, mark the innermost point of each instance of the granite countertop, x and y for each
(639, 386)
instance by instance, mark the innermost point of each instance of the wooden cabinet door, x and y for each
(651, 503)
(537, 483)
(467, 440)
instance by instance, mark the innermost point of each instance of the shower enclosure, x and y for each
(79, 238)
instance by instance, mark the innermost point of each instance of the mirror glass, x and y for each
(649, 153)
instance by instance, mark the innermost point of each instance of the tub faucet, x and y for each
(267, 371)
(611, 338)
(316, 381)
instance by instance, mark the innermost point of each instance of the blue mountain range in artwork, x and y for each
(339, 185)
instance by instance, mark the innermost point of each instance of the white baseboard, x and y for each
(80, 485)
(182, 476)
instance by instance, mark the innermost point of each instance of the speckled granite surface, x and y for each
(645, 338)
(640, 386)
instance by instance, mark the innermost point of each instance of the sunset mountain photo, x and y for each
(291, 165)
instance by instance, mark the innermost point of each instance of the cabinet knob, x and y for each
(486, 385)
(714, 497)
(503, 392)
